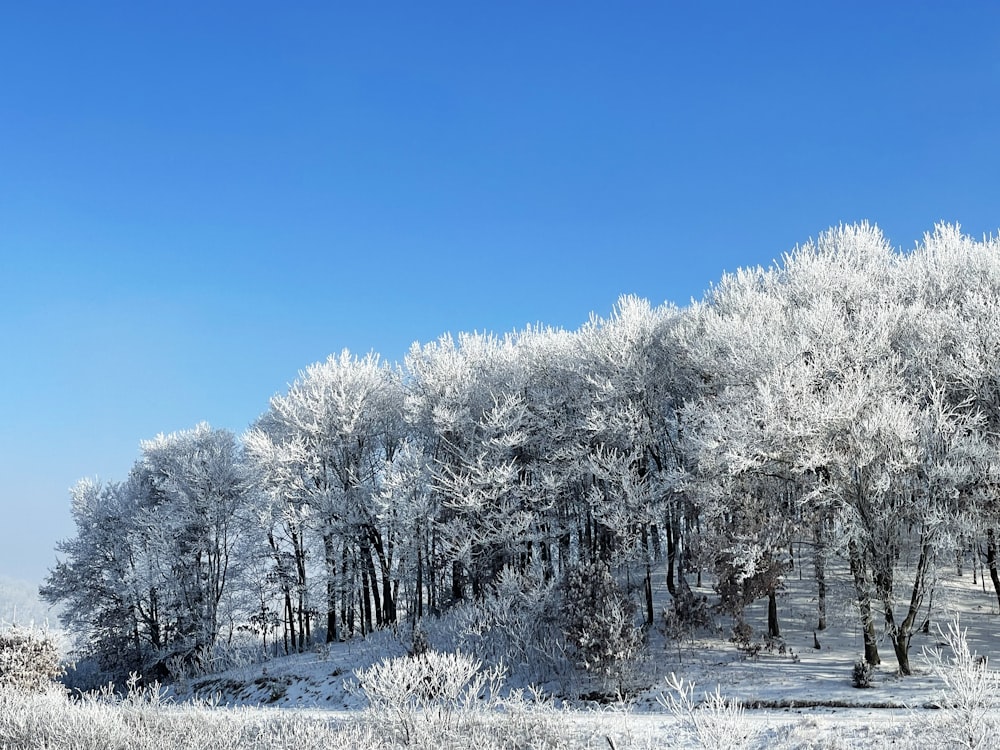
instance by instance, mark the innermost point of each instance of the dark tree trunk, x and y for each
(366, 603)
(346, 593)
(418, 609)
(432, 574)
(819, 565)
(772, 615)
(331, 588)
(370, 580)
(902, 633)
(387, 611)
(671, 556)
(289, 623)
(457, 581)
(298, 546)
(991, 560)
(649, 596)
(901, 647)
(154, 619)
(864, 605)
(654, 534)
(546, 552)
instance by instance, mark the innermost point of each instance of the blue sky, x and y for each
(197, 200)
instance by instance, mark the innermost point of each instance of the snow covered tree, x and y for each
(405, 503)
(486, 491)
(836, 408)
(953, 340)
(153, 557)
(451, 389)
(196, 505)
(846, 398)
(109, 603)
(598, 621)
(321, 448)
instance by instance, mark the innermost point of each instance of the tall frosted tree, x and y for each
(836, 407)
(322, 447)
(106, 604)
(451, 386)
(154, 557)
(196, 496)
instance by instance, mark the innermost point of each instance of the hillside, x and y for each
(792, 673)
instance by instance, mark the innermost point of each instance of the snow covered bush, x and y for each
(431, 692)
(143, 721)
(861, 674)
(970, 697)
(517, 623)
(29, 660)
(716, 722)
(598, 619)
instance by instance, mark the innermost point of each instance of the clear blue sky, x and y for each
(197, 200)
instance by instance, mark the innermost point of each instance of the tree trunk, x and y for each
(772, 615)
(671, 556)
(302, 621)
(819, 564)
(902, 633)
(654, 533)
(371, 580)
(289, 622)
(346, 594)
(649, 596)
(864, 604)
(457, 581)
(366, 603)
(387, 613)
(901, 646)
(991, 560)
(418, 609)
(647, 583)
(376, 598)
(432, 572)
(331, 587)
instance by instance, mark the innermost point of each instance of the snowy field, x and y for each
(51, 722)
(801, 677)
(802, 698)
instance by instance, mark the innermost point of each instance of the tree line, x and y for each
(847, 396)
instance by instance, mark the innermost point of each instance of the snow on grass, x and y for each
(307, 700)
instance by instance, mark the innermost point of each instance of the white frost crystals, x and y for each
(716, 722)
(29, 660)
(436, 699)
(970, 696)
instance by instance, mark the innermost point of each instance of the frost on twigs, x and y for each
(431, 692)
(968, 702)
(861, 674)
(598, 620)
(715, 722)
(29, 660)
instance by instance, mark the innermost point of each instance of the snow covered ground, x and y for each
(803, 697)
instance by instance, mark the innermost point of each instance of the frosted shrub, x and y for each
(29, 660)
(141, 721)
(716, 723)
(970, 695)
(516, 622)
(238, 653)
(861, 674)
(431, 692)
(598, 620)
